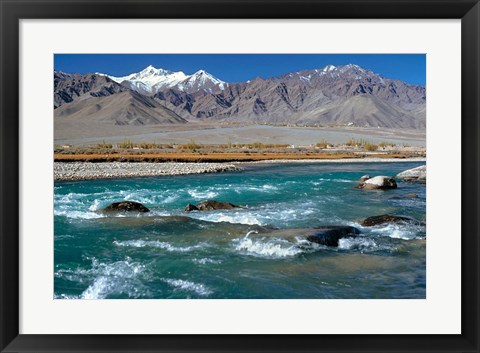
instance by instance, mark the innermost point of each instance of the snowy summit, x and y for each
(152, 80)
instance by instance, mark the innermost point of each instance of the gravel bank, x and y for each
(113, 170)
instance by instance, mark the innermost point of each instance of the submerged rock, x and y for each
(379, 182)
(418, 174)
(406, 196)
(330, 235)
(139, 222)
(386, 218)
(125, 206)
(210, 205)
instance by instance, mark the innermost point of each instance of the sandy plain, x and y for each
(80, 135)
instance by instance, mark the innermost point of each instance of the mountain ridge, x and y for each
(152, 80)
(332, 95)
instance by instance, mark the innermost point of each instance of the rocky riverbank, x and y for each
(88, 171)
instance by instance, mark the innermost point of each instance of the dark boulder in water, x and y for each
(191, 207)
(330, 235)
(210, 205)
(126, 206)
(386, 218)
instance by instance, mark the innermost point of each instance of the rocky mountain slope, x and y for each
(347, 95)
(331, 96)
(98, 99)
(70, 87)
(125, 108)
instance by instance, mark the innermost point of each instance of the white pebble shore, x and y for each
(113, 170)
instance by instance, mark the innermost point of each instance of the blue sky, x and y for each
(242, 67)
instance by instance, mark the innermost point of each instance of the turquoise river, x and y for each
(170, 254)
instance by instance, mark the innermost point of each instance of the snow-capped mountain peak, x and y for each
(151, 71)
(328, 68)
(152, 80)
(200, 80)
(352, 67)
(349, 71)
(205, 76)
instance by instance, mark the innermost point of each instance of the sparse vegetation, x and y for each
(126, 144)
(323, 144)
(191, 146)
(386, 144)
(129, 150)
(105, 145)
(351, 143)
(370, 147)
(255, 145)
(362, 143)
(149, 146)
(260, 145)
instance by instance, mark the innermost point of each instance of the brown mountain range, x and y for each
(332, 96)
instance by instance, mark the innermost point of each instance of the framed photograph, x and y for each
(239, 176)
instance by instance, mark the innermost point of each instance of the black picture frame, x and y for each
(13, 10)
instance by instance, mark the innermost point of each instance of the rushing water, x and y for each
(168, 253)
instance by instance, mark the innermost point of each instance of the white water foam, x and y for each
(63, 236)
(95, 205)
(358, 243)
(206, 260)
(65, 296)
(243, 188)
(138, 196)
(265, 247)
(78, 214)
(159, 244)
(269, 187)
(99, 289)
(280, 215)
(170, 199)
(398, 231)
(336, 180)
(116, 278)
(181, 284)
(199, 195)
(158, 212)
(237, 217)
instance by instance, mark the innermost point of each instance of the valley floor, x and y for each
(83, 135)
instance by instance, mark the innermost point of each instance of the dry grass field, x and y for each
(218, 157)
